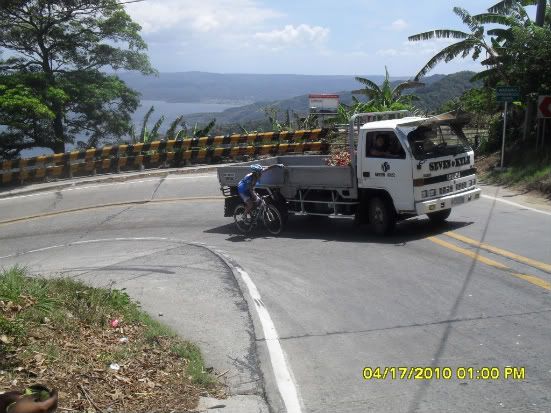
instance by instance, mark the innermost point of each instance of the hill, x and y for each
(435, 94)
(230, 88)
(437, 90)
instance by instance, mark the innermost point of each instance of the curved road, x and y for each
(339, 299)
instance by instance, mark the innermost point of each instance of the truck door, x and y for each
(385, 164)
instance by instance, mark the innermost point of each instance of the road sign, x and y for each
(507, 93)
(544, 107)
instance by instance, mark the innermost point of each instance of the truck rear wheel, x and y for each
(382, 217)
(439, 217)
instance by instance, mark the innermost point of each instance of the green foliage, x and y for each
(525, 59)
(272, 113)
(386, 95)
(291, 121)
(25, 111)
(469, 43)
(478, 102)
(204, 131)
(63, 90)
(143, 132)
(196, 364)
(67, 302)
(171, 132)
(517, 52)
(154, 134)
(382, 98)
(529, 168)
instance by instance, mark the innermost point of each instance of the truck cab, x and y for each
(422, 165)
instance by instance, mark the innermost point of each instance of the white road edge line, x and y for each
(79, 188)
(284, 380)
(505, 201)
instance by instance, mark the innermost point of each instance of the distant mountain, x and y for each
(436, 93)
(438, 89)
(229, 88)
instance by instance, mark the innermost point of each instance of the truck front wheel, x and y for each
(439, 217)
(382, 217)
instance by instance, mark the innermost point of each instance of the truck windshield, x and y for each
(437, 140)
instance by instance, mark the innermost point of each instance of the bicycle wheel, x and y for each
(273, 220)
(243, 224)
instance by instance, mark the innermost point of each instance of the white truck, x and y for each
(401, 166)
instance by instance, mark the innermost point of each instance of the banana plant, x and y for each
(386, 95)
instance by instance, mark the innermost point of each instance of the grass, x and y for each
(65, 325)
(195, 368)
(526, 169)
(528, 175)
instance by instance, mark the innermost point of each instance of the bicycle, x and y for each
(265, 211)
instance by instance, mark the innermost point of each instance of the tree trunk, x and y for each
(540, 13)
(58, 146)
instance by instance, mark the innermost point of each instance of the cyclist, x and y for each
(245, 188)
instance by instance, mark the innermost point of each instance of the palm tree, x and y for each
(505, 6)
(468, 42)
(385, 95)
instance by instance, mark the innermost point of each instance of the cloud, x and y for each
(399, 25)
(388, 52)
(201, 17)
(301, 35)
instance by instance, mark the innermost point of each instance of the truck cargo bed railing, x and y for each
(332, 204)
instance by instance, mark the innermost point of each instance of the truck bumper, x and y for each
(447, 202)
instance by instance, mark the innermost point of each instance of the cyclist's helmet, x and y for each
(257, 169)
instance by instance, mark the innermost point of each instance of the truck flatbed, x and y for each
(299, 172)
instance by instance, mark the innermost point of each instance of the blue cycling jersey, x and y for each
(245, 184)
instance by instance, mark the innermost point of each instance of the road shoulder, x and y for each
(187, 287)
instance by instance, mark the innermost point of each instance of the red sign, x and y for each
(544, 107)
(323, 96)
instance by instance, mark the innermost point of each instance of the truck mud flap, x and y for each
(229, 205)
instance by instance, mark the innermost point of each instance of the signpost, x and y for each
(506, 94)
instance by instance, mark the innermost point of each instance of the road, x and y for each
(340, 299)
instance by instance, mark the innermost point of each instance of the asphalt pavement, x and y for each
(338, 299)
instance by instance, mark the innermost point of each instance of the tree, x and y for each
(385, 95)
(23, 111)
(382, 98)
(65, 46)
(517, 50)
(473, 42)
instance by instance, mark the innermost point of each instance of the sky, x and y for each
(322, 37)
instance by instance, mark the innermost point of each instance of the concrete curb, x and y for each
(122, 177)
(238, 402)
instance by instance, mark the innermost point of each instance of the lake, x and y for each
(171, 110)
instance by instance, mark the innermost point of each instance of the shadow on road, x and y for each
(343, 230)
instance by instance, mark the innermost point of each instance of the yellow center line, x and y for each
(529, 278)
(534, 280)
(468, 253)
(113, 205)
(504, 253)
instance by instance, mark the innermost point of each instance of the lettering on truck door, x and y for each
(387, 165)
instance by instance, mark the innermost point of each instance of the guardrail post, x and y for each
(69, 168)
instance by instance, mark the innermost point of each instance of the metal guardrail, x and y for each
(169, 153)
